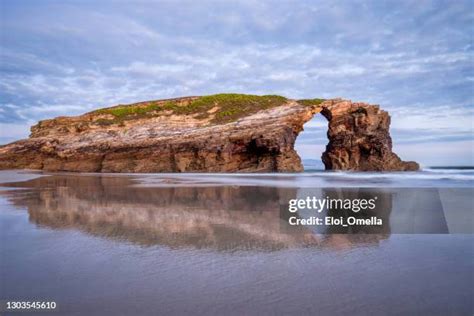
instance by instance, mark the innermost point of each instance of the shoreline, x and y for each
(425, 178)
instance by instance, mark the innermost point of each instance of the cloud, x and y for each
(69, 58)
(440, 155)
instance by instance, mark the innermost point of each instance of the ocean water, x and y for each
(214, 244)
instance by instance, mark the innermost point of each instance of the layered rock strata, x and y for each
(359, 138)
(187, 135)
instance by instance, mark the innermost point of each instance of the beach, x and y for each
(222, 244)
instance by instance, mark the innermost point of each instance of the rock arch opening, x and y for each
(359, 138)
(311, 143)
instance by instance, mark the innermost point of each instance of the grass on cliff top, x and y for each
(231, 106)
(311, 102)
(123, 111)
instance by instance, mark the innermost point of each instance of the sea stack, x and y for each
(216, 133)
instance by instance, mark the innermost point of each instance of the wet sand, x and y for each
(128, 244)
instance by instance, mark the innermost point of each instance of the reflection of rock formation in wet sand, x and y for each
(382, 210)
(215, 217)
(226, 218)
(220, 133)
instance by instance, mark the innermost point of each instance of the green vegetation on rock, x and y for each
(224, 108)
(123, 111)
(311, 102)
(233, 106)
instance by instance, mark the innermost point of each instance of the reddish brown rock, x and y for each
(359, 139)
(175, 140)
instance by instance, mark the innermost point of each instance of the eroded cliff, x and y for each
(359, 138)
(219, 133)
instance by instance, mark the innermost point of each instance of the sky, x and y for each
(414, 58)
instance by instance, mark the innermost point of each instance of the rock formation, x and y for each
(219, 133)
(359, 139)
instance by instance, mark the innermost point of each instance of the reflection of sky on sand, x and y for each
(226, 250)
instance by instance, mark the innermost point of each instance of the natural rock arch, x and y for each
(177, 140)
(359, 138)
